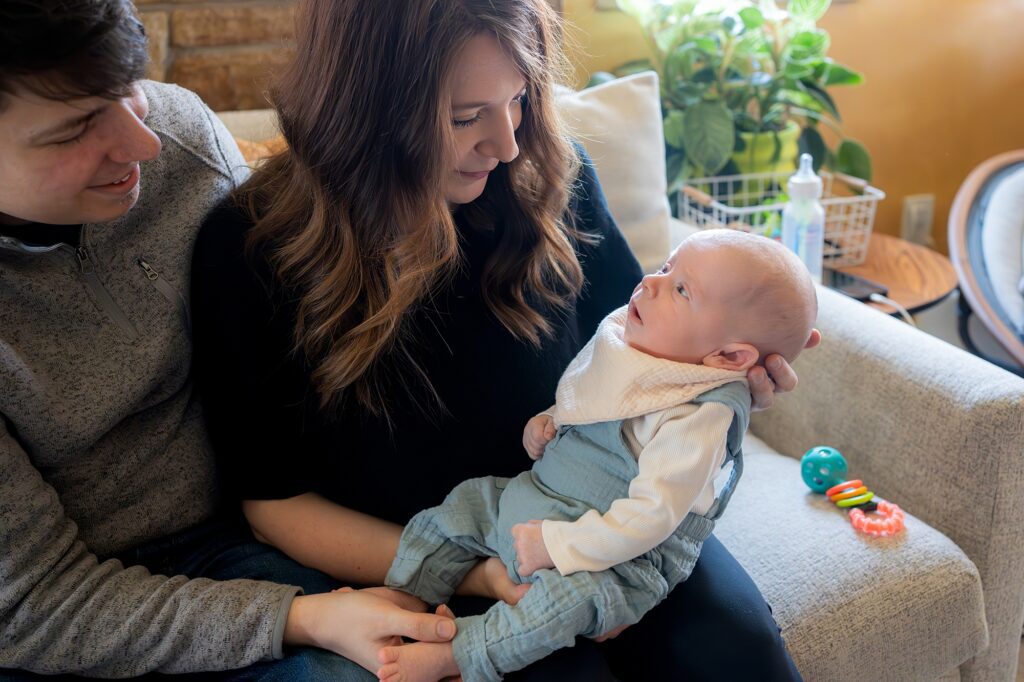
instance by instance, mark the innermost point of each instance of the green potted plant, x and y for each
(744, 86)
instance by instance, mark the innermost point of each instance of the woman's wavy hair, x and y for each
(350, 214)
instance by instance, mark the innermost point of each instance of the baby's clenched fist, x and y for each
(531, 552)
(538, 433)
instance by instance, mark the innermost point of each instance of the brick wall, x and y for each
(225, 51)
(222, 49)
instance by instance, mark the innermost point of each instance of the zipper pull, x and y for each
(151, 274)
(83, 260)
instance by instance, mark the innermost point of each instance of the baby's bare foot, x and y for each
(500, 585)
(417, 662)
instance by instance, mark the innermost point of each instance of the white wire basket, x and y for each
(753, 202)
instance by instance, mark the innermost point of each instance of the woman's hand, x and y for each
(357, 623)
(490, 579)
(779, 377)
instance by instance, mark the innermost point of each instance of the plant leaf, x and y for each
(798, 70)
(730, 24)
(751, 46)
(773, 120)
(807, 9)
(812, 143)
(837, 74)
(746, 123)
(674, 129)
(808, 45)
(674, 171)
(635, 66)
(819, 94)
(810, 114)
(708, 135)
(599, 78)
(685, 94)
(798, 98)
(677, 67)
(668, 38)
(853, 159)
(706, 45)
(705, 75)
(752, 17)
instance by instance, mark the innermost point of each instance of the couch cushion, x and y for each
(849, 603)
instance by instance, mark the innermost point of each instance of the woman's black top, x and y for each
(274, 441)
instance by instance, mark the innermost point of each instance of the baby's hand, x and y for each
(538, 433)
(531, 553)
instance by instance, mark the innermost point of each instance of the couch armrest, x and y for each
(928, 426)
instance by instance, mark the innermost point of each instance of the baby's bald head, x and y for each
(767, 290)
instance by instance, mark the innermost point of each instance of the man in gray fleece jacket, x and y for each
(106, 474)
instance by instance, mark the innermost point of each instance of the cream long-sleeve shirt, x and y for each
(679, 445)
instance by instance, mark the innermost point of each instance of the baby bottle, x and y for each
(803, 218)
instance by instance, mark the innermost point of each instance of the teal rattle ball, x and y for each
(822, 467)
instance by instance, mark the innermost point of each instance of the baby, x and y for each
(641, 453)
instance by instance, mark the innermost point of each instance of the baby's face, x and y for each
(686, 310)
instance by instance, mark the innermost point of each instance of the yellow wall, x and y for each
(943, 90)
(599, 40)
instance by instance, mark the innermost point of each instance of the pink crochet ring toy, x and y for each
(868, 514)
(890, 520)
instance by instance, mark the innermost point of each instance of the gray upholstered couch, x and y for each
(931, 428)
(925, 425)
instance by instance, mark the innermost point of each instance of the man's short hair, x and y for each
(67, 49)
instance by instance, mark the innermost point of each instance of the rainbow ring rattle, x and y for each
(854, 495)
(822, 467)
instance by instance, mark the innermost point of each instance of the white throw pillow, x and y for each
(619, 124)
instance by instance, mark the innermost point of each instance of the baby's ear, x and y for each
(735, 356)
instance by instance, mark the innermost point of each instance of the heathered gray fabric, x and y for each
(852, 607)
(929, 427)
(102, 445)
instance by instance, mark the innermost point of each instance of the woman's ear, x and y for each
(735, 356)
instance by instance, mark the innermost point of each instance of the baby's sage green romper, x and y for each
(585, 467)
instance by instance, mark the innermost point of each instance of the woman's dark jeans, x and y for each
(714, 626)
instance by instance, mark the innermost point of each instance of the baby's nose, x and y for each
(650, 284)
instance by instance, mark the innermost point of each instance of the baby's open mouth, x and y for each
(635, 313)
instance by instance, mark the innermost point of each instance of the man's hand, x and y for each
(357, 623)
(531, 553)
(538, 433)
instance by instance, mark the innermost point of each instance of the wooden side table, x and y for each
(917, 277)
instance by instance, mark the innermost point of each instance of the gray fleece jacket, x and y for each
(102, 444)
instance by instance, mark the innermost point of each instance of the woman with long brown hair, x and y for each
(385, 303)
